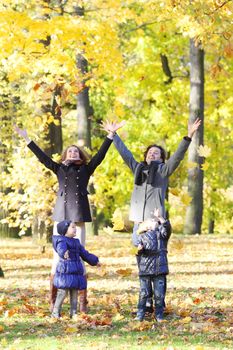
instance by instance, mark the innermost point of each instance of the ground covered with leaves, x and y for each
(199, 313)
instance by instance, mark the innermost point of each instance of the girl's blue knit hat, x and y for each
(62, 227)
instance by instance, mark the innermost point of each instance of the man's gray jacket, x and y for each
(149, 196)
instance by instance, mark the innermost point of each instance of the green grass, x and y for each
(199, 298)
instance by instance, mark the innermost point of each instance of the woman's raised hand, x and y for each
(192, 128)
(156, 213)
(22, 132)
(112, 127)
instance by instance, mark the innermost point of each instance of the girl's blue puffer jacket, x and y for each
(69, 272)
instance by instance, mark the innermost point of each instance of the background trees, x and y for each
(138, 68)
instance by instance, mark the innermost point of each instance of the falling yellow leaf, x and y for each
(204, 151)
(117, 220)
(1, 328)
(58, 99)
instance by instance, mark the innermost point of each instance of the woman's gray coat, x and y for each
(149, 196)
(72, 201)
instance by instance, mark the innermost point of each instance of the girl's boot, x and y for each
(83, 301)
(52, 293)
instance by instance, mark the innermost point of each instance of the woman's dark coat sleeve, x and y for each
(43, 158)
(99, 156)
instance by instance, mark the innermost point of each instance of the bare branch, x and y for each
(220, 6)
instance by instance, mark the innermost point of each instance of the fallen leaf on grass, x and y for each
(124, 272)
(139, 326)
(3, 342)
(197, 301)
(53, 320)
(185, 320)
(101, 272)
(11, 312)
(178, 245)
(3, 301)
(141, 340)
(184, 312)
(109, 230)
(118, 317)
(30, 308)
(97, 320)
(71, 330)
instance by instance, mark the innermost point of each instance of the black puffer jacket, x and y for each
(152, 259)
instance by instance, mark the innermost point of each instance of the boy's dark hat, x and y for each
(62, 227)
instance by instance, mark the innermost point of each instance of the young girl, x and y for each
(69, 271)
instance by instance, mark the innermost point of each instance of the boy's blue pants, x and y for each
(159, 289)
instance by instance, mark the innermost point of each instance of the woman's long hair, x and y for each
(84, 157)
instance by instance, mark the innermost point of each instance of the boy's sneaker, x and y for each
(139, 318)
(55, 315)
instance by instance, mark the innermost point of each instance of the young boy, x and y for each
(69, 271)
(152, 263)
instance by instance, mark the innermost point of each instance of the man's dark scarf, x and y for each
(141, 176)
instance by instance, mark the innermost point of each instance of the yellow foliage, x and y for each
(204, 151)
(185, 199)
(174, 191)
(117, 220)
(205, 166)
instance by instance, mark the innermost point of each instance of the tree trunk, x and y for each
(54, 138)
(211, 226)
(55, 130)
(194, 211)
(1, 272)
(84, 112)
(5, 126)
(83, 107)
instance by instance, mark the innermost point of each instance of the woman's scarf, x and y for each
(70, 161)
